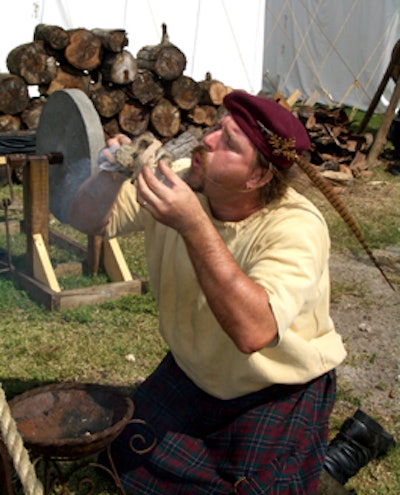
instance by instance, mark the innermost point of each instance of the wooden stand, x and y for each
(392, 71)
(40, 279)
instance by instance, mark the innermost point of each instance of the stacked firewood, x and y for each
(131, 94)
(340, 154)
(150, 91)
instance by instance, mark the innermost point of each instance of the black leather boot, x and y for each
(359, 440)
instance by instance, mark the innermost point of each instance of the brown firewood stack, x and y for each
(132, 94)
(54, 36)
(165, 59)
(14, 96)
(31, 62)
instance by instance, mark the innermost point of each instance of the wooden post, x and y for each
(391, 71)
(381, 135)
(36, 205)
(114, 261)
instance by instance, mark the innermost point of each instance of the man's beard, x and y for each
(201, 155)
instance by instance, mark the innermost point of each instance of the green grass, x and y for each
(374, 204)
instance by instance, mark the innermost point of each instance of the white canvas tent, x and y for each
(338, 48)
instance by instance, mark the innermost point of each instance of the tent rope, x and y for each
(380, 44)
(303, 44)
(14, 443)
(332, 43)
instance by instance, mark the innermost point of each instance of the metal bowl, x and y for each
(70, 420)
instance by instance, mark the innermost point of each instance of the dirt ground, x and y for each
(367, 314)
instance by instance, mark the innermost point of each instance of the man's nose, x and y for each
(210, 138)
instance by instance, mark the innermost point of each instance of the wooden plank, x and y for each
(42, 268)
(36, 204)
(114, 261)
(37, 291)
(293, 97)
(287, 102)
(381, 135)
(391, 71)
(52, 301)
(99, 293)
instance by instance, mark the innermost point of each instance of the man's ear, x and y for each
(260, 177)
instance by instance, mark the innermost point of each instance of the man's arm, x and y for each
(92, 205)
(240, 305)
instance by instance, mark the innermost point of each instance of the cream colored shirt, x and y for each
(285, 248)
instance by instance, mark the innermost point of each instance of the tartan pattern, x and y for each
(273, 441)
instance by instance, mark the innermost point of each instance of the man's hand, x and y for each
(107, 160)
(243, 311)
(169, 199)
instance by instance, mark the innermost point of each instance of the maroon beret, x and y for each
(269, 126)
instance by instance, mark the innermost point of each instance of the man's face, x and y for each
(224, 162)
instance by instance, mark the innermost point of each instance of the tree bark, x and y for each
(14, 97)
(165, 59)
(119, 68)
(10, 123)
(185, 92)
(111, 127)
(84, 49)
(134, 118)
(131, 95)
(66, 79)
(204, 115)
(108, 101)
(32, 63)
(146, 88)
(31, 115)
(213, 91)
(55, 36)
(182, 145)
(113, 40)
(166, 118)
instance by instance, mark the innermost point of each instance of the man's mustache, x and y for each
(201, 153)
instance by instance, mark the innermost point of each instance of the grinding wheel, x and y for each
(69, 124)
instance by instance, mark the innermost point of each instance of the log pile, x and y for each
(150, 92)
(340, 154)
(131, 94)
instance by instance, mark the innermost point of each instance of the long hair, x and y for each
(276, 188)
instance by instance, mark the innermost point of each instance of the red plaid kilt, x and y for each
(269, 442)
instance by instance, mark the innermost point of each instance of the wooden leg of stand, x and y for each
(381, 135)
(36, 205)
(114, 262)
(42, 267)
